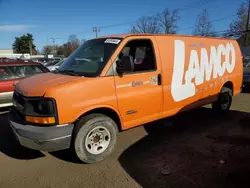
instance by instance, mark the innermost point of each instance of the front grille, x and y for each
(20, 118)
(19, 98)
(19, 102)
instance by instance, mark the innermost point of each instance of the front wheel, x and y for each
(94, 138)
(224, 101)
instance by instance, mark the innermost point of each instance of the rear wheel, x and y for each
(94, 138)
(224, 101)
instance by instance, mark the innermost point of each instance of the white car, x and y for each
(54, 67)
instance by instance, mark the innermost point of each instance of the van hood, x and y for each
(36, 86)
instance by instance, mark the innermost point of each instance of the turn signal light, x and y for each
(40, 120)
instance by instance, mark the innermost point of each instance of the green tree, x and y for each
(24, 44)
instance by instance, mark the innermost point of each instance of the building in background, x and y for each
(6, 51)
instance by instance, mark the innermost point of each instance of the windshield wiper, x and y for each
(69, 72)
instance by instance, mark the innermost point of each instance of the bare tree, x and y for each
(146, 24)
(203, 26)
(82, 41)
(65, 49)
(50, 49)
(72, 44)
(238, 26)
(47, 49)
(168, 20)
(73, 41)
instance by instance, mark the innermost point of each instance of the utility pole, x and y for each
(96, 30)
(53, 40)
(247, 24)
(30, 47)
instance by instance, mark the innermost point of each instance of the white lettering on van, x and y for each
(209, 66)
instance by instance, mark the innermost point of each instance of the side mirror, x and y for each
(126, 64)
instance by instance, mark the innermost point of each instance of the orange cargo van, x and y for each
(100, 90)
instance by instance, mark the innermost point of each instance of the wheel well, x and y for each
(229, 85)
(108, 112)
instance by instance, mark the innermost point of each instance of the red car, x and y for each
(13, 71)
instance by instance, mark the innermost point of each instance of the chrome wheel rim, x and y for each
(97, 140)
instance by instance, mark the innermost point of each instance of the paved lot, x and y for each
(199, 149)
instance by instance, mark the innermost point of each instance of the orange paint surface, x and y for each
(77, 95)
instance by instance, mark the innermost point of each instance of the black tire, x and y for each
(224, 101)
(84, 127)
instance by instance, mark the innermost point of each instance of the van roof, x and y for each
(148, 34)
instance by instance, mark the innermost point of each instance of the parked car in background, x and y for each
(3, 59)
(246, 73)
(57, 58)
(42, 60)
(50, 63)
(11, 73)
(54, 67)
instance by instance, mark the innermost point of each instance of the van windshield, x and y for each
(90, 58)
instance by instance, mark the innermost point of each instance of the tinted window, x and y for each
(125, 50)
(19, 71)
(60, 62)
(90, 58)
(142, 52)
(6, 74)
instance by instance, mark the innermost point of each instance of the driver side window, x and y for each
(143, 55)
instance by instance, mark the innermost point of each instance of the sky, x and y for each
(57, 18)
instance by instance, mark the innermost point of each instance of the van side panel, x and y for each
(138, 94)
(192, 68)
(83, 95)
(196, 68)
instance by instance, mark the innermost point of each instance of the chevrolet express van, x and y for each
(100, 90)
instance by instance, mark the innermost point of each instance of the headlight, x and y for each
(46, 107)
(40, 107)
(41, 111)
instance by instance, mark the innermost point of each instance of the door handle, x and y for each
(159, 79)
